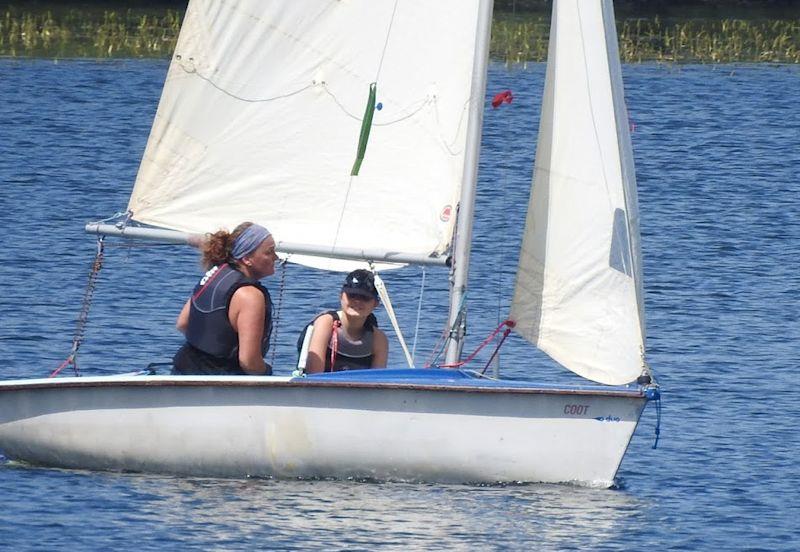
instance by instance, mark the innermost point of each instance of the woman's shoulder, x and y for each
(248, 293)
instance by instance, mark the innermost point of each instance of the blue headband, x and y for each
(249, 240)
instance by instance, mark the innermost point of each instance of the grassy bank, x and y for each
(516, 38)
(89, 33)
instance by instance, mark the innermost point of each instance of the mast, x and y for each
(466, 207)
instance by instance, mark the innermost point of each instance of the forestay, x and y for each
(261, 113)
(578, 294)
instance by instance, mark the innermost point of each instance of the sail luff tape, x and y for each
(387, 304)
(366, 125)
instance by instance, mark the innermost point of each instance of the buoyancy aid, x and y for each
(350, 354)
(209, 330)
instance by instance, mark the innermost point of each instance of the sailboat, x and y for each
(352, 130)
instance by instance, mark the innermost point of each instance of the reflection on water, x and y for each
(325, 514)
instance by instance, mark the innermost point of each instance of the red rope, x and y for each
(497, 349)
(334, 341)
(436, 352)
(70, 359)
(508, 323)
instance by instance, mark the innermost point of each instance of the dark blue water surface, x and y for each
(718, 162)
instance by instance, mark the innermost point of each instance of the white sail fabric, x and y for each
(261, 113)
(578, 292)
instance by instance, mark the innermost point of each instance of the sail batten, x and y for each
(242, 135)
(578, 291)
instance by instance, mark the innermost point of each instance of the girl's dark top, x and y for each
(350, 354)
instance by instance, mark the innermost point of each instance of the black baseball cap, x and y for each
(360, 282)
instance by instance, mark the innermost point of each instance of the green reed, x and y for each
(95, 34)
(517, 39)
(520, 40)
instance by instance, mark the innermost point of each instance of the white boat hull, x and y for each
(279, 427)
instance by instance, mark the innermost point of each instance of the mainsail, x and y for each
(578, 294)
(240, 134)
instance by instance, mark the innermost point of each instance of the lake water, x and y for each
(718, 164)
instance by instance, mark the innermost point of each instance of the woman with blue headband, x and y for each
(228, 319)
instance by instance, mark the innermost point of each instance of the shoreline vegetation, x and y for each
(517, 37)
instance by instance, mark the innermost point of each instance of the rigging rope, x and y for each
(437, 348)
(446, 335)
(334, 344)
(386, 42)
(410, 112)
(192, 70)
(342, 212)
(419, 313)
(654, 394)
(501, 98)
(658, 421)
(83, 317)
(315, 83)
(508, 323)
(276, 320)
(387, 304)
(449, 145)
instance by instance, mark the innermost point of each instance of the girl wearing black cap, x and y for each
(349, 339)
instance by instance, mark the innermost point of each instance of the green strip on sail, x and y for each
(366, 125)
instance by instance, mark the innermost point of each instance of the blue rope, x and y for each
(653, 394)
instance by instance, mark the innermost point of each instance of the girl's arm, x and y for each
(318, 348)
(380, 349)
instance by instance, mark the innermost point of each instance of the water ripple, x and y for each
(718, 154)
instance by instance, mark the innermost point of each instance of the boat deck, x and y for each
(390, 378)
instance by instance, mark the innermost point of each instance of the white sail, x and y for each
(578, 292)
(240, 134)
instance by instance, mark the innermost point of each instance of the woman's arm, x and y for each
(183, 318)
(380, 349)
(318, 348)
(246, 313)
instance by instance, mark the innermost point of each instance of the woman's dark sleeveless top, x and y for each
(212, 345)
(351, 354)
